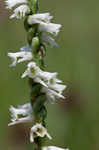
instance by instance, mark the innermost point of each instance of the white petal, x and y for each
(12, 3)
(57, 87)
(31, 137)
(38, 18)
(31, 74)
(21, 120)
(23, 56)
(53, 148)
(48, 75)
(38, 130)
(25, 48)
(38, 80)
(48, 40)
(14, 59)
(52, 95)
(48, 135)
(44, 23)
(50, 28)
(24, 74)
(21, 114)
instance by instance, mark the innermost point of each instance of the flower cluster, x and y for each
(45, 86)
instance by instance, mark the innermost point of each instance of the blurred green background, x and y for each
(74, 122)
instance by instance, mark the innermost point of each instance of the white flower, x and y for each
(44, 23)
(54, 88)
(33, 71)
(48, 40)
(50, 28)
(52, 95)
(46, 76)
(51, 84)
(20, 12)
(53, 148)
(39, 76)
(21, 114)
(55, 85)
(12, 3)
(38, 18)
(23, 56)
(38, 130)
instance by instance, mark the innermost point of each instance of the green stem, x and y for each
(36, 97)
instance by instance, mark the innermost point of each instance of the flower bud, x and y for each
(35, 45)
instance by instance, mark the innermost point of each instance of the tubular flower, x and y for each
(34, 72)
(12, 3)
(45, 27)
(21, 114)
(20, 12)
(20, 57)
(39, 18)
(44, 23)
(38, 130)
(51, 85)
(48, 40)
(51, 94)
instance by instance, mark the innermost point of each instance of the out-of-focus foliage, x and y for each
(73, 123)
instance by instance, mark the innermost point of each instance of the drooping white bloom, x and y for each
(19, 57)
(38, 130)
(44, 23)
(51, 84)
(38, 18)
(33, 71)
(21, 114)
(53, 148)
(39, 76)
(52, 95)
(54, 89)
(55, 85)
(50, 28)
(12, 3)
(20, 12)
(48, 40)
